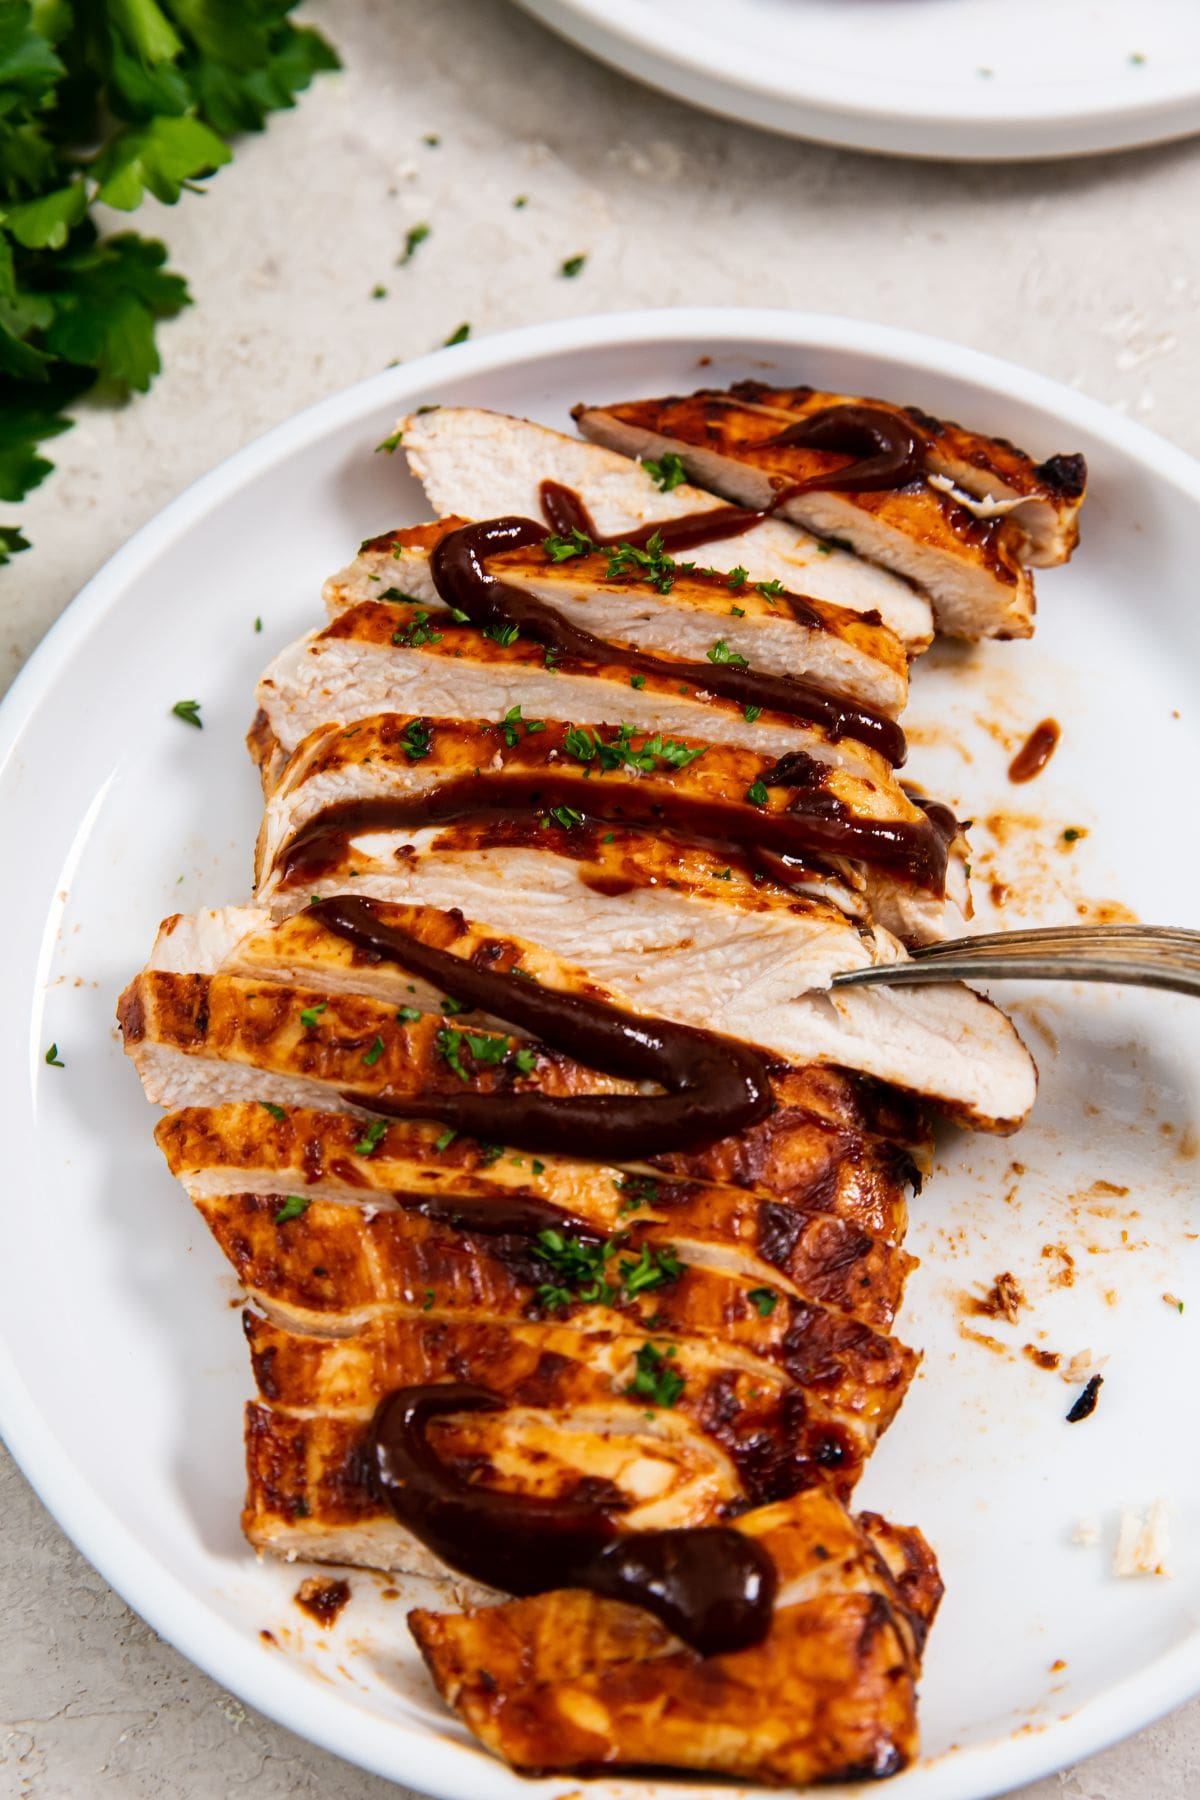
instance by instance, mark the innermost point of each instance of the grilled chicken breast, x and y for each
(479, 465)
(569, 1681)
(682, 611)
(969, 555)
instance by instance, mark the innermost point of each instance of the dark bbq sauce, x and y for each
(815, 821)
(515, 1216)
(710, 1585)
(715, 1086)
(321, 1599)
(457, 567)
(1035, 752)
(889, 450)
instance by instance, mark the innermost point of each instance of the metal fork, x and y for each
(1153, 956)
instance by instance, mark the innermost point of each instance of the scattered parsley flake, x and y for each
(189, 712)
(770, 590)
(526, 1061)
(311, 1014)
(459, 335)
(573, 266)
(504, 635)
(637, 681)
(520, 201)
(653, 1380)
(379, 292)
(414, 237)
(368, 1143)
(445, 1140)
(408, 1015)
(416, 738)
(651, 564)
(418, 631)
(432, 139)
(372, 1056)
(539, 1168)
(561, 548)
(737, 578)
(666, 471)
(765, 1299)
(390, 444)
(276, 1112)
(294, 1207)
(739, 612)
(721, 653)
(566, 816)
(258, 624)
(54, 1059)
(427, 1303)
(757, 794)
(751, 713)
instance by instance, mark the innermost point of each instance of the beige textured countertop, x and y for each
(1089, 271)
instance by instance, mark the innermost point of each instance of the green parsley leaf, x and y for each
(757, 794)
(566, 816)
(54, 1059)
(391, 444)
(189, 712)
(378, 292)
(765, 1299)
(445, 1140)
(490, 1153)
(737, 578)
(451, 1006)
(520, 201)
(258, 624)
(413, 238)
(721, 653)
(526, 1061)
(770, 590)
(416, 738)
(12, 542)
(368, 1143)
(311, 1014)
(562, 549)
(372, 1056)
(504, 635)
(667, 472)
(738, 612)
(459, 335)
(572, 266)
(427, 1303)
(637, 681)
(539, 1168)
(652, 1269)
(276, 1112)
(651, 564)
(408, 1015)
(654, 1380)
(751, 713)
(418, 631)
(294, 1207)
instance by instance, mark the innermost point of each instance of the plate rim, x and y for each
(1107, 116)
(277, 1689)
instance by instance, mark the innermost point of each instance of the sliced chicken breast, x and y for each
(481, 465)
(571, 1681)
(972, 567)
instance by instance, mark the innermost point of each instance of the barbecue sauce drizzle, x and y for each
(715, 1086)
(462, 581)
(711, 1585)
(889, 452)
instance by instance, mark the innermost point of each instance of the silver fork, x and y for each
(1154, 956)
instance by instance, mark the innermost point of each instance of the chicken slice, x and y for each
(480, 465)
(570, 1681)
(374, 658)
(690, 616)
(705, 945)
(781, 1433)
(972, 566)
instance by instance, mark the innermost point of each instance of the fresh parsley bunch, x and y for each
(105, 101)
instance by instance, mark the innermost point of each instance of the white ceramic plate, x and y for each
(943, 78)
(122, 1370)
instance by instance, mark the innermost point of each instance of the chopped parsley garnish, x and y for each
(770, 590)
(413, 238)
(737, 578)
(539, 1168)
(521, 200)
(572, 266)
(459, 335)
(189, 712)
(408, 1015)
(372, 1056)
(258, 624)
(654, 1379)
(551, 659)
(639, 1190)
(721, 653)
(724, 874)
(294, 1207)
(54, 1059)
(504, 635)
(637, 681)
(652, 1269)
(757, 794)
(276, 1112)
(1072, 834)
(562, 549)
(484, 1050)
(579, 1266)
(390, 444)
(651, 564)
(739, 612)
(368, 1143)
(566, 816)
(490, 1153)
(667, 471)
(579, 743)
(610, 837)
(444, 1141)
(311, 1014)
(619, 752)
(750, 713)
(451, 1006)
(417, 631)
(427, 1303)
(458, 615)
(416, 738)
(511, 723)
(526, 1061)
(379, 292)
(765, 1299)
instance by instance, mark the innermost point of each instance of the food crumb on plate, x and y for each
(1086, 1532)
(1142, 1542)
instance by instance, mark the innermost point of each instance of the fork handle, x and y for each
(1124, 971)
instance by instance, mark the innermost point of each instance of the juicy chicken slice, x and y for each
(480, 465)
(971, 564)
(704, 944)
(571, 1681)
(395, 770)
(377, 657)
(783, 1428)
(844, 653)
(369, 1190)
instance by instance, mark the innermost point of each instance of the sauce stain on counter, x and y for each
(1035, 752)
(321, 1599)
